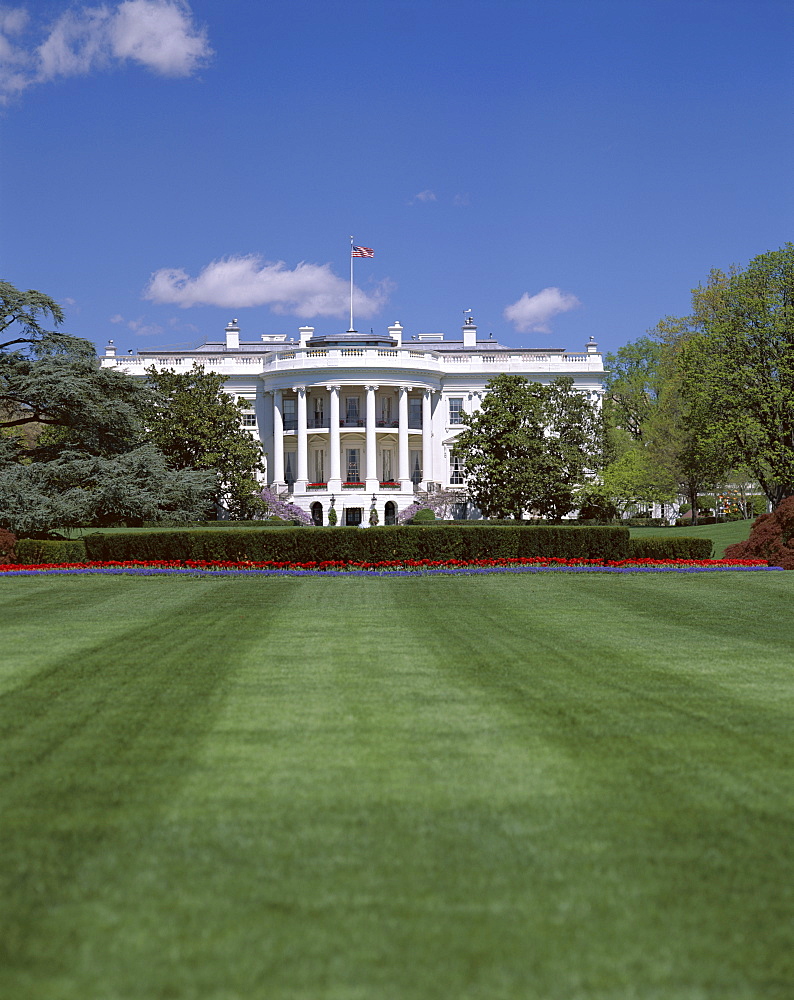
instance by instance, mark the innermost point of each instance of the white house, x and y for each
(364, 419)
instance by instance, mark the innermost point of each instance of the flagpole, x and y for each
(351, 330)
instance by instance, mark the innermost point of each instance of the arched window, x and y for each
(317, 513)
(390, 512)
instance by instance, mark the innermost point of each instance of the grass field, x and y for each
(540, 788)
(721, 534)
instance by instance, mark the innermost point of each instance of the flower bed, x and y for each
(406, 567)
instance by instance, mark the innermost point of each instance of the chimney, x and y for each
(232, 336)
(469, 333)
(396, 333)
(306, 334)
(591, 346)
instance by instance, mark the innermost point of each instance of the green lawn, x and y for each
(721, 534)
(538, 787)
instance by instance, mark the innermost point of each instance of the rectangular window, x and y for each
(249, 420)
(289, 469)
(352, 465)
(456, 410)
(415, 464)
(319, 465)
(351, 410)
(386, 473)
(414, 412)
(456, 472)
(290, 412)
(319, 411)
(385, 410)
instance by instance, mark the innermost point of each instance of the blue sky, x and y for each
(564, 169)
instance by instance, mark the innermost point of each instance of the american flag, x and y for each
(362, 252)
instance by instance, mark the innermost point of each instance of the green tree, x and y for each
(658, 440)
(633, 381)
(736, 367)
(529, 447)
(679, 447)
(72, 447)
(78, 489)
(635, 479)
(198, 426)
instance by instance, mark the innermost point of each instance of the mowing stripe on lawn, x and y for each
(502, 787)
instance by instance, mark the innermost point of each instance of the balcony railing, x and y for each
(313, 423)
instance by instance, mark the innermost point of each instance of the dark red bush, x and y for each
(771, 538)
(7, 543)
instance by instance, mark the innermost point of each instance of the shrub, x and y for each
(351, 544)
(165, 525)
(771, 538)
(423, 516)
(669, 547)
(7, 543)
(32, 551)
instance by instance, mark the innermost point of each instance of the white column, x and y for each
(335, 479)
(404, 471)
(264, 421)
(303, 440)
(372, 451)
(427, 438)
(278, 439)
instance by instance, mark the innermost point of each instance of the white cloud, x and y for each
(158, 34)
(423, 196)
(13, 20)
(235, 282)
(144, 329)
(533, 312)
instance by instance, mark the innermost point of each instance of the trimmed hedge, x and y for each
(670, 547)
(471, 541)
(686, 522)
(370, 545)
(270, 522)
(32, 551)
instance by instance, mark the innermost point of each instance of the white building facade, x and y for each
(363, 421)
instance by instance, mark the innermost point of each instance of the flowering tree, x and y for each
(440, 503)
(279, 507)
